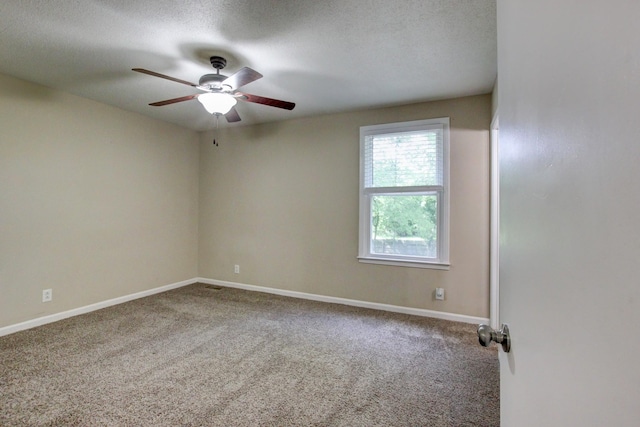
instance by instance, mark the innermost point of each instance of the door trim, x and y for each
(494, 251)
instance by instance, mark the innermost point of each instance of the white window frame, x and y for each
(364, 250)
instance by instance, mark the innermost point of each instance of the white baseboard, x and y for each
(88, 308)
(356, 303)
(295, 294)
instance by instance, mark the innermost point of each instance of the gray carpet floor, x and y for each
(197, 356)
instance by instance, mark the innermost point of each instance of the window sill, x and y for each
(404, 263)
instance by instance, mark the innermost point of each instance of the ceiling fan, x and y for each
(221, 92)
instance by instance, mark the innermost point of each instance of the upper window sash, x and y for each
(410, 156)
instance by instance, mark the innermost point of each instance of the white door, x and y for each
(569, 100)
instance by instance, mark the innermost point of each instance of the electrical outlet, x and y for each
(47, 295)
(440, 294)
(236, 269)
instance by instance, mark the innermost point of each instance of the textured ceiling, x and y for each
(326, 56)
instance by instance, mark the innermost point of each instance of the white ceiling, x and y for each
(324, 55)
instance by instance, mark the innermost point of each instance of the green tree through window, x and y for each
(404, 225)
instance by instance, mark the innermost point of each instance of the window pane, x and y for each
(404, 225)
(404, 159)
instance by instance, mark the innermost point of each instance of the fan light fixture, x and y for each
(217, 103)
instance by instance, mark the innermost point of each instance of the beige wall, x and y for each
(281, 200)
(494, 100)
(95, 202)
(98, 203)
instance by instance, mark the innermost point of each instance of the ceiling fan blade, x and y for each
(173, 101)
(266, 101)
(242, 77)
(162, 76)
(232, 116)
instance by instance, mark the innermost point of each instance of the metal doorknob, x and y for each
(486, 334)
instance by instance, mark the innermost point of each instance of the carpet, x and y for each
(207, 356)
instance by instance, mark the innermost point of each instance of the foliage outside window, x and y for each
(404, 193)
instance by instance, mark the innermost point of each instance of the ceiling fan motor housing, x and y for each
(212, 81)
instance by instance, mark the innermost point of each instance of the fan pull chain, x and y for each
(216, 128)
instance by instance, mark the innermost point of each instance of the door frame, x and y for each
(494, 251)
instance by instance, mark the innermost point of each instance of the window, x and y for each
(404, 194)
